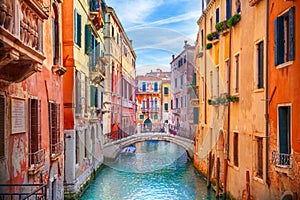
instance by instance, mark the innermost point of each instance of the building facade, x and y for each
(283, 99)
(84, 51)
(119, 95)
(153, 99)
(184, 116)
(231, 64)
(31, 99)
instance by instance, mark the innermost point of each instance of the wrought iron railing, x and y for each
(56, 149)
(37, 159)
(27, 191)
(282, 160)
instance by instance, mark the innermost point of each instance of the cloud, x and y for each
(170, 20)
(133, 12)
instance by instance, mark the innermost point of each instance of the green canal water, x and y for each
(158, 170)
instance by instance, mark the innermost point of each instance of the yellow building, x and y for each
(230, 65)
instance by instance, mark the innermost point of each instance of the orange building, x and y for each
(31, 138)
(284, 99)
(153, 98)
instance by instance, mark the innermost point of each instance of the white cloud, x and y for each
(132, 12)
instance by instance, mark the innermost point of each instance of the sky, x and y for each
(158, 29)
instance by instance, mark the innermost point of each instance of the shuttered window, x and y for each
(196, 115)
(78, 92)
(260, 65)
(155, 86)
(55, 37)
(217, 15)
(88, 38)
(166, 90)
(259, 169)
(144, 86)
(54, 126)
(2, 126)
(77, 28)
(166, 107)
(34, 128)
(228, 9)
(236, 149)
(284, 129)
(284, 37)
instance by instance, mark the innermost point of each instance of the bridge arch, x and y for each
(111, 150)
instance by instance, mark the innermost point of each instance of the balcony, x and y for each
(56, 150)
(176, 111)
(282, 160)
(144, 110)
(153, 110)
(97, 73)
(21, 39)
(36, 161)
(27, 191)
(97, 13)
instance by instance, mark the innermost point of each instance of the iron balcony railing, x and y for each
(37, 159)
(56, 149)
(27, 191)
(282, 160)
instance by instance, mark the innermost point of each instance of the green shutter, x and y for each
(284, 129)
(278, 41)
(291, 33)
(196, 115)
(75, 26)
(93, 95)
(88, 38)
(78, 30)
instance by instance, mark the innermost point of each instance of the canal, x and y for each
(157, 170)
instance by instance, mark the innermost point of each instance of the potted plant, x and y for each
(208, 46)
(212, 36)
(211, 102)
(232, 98)
(234, 20)
(221, 26)
(221, 100)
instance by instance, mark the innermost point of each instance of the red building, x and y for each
(284, 99)
(31, 139)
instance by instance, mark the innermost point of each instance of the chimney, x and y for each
(173, 57)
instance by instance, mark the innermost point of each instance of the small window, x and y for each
(238, 6)
(175, 82)
(166, 90)
(155, 86)
(196, 115)
(144, 86)
(172, 104)
(236, 74)
(2, 126)
(156, 117)
(260, 65)
(236, 149)
(166, 107)
(77, 27)
(259, 165)
(217, 15)
(228, 9)
(284, 131)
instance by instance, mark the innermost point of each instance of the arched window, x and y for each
(55, 35)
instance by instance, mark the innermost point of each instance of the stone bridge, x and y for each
(112, 149)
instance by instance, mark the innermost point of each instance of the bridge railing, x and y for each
(153, 127)
(182, 132)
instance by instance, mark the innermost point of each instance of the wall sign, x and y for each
(18, 115)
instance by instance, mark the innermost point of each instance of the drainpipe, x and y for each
(267, 98)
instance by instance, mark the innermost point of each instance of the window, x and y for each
(284, 128)
(196, 115)
(217, 15)
(236, 74)
(175, 82)
(54, 128)
(172, 104)
(155, 117)
(86, 94)
(260, 65)
(166, 107)
(176, 102)
(184, 59)
(217, 82)
(55, 36)
(259, 163)
(2, 126)
(112, 31)
(211, 85)
(36, 156)
(227, 76)
(228, 9)
(202, 39)
(181, 81)
(77, 147)
(155, 86)
(77, 28)
(235, 149)
(88, 38)
(211, 24)
(238, 6)
(141, 116)
(203, 88)
(181, 101)
(166, 90)
(284, 37)
(194, 79)
(144, 86)
(93, 96)
(78, 92)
